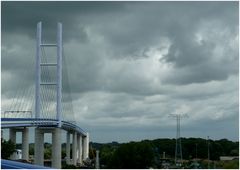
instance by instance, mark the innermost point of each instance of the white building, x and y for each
(16, 155)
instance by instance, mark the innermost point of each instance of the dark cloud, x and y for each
(22, 17)
(130, 64)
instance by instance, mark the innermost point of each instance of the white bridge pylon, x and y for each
(80, 138)
(39, 64)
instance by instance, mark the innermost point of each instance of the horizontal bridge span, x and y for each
(32, 122)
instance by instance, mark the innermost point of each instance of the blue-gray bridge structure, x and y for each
(48, 114)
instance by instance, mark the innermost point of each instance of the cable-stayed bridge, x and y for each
(47, 106)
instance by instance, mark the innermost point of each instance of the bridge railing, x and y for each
(17, 114)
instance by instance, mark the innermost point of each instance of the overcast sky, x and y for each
(131, 64)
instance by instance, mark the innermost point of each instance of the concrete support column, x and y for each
(80, 149)
(56, 149)
(68, 148)
(86, 146)
(39, 147)
(25, 144)
(74, 148)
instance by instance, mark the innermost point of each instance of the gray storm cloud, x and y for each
(130, 64)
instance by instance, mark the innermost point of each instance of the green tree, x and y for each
(47, 153)
(7, 148)
(106, 154)
(133, 155)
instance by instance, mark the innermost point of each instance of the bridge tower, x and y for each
(39, 64)
(56, 132)
(42, 124)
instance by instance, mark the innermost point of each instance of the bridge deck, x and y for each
(32, 122)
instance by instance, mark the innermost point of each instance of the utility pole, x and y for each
(178, 149)
(196, 150)
(208, 151)
(97, 166)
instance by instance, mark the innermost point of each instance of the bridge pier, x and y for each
(86, 147)
(79, 143)
(74, 149)
(77, 148)
(56, 146)
(39, 147)
(25, 144)
(25, 140)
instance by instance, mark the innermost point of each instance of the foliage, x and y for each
(133, 155)
(66, 166)
(234, 164)
(217, 148)
(7, 148)
(63, 153)
(47, 153)
(147, 154)
(31, 149)
(92, 153)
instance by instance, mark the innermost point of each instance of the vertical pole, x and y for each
(176, 142)
(68, 148)
(25, 144)
(97, 166)
(180, 143)
(39, 147)
(208, 151)
(59, 73)
(74, 148)
(196, 150)
(38, 71)
(178, 149)
(80, 149)
(86, 146)
(56, 149)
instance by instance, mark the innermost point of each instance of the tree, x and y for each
(136, 155)
(106, 154)
(47, 153)
(7, 148)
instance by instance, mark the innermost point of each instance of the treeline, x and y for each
(146, 153)
(197, 147)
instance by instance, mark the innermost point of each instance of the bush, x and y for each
(7, 148)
